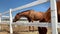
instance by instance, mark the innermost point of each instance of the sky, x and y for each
(5, 5)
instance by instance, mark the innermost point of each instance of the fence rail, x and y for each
(39, 24)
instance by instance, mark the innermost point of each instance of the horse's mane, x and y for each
(48, 15)
(48, 11)
(23, 11)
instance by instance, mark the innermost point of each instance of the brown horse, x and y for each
(31, 15)
(47, 18)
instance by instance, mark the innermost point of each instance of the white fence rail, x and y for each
(27, 5)
(39, 24)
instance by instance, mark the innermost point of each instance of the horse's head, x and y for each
(17, 17)
(22, 14)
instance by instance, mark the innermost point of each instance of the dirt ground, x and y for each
(4, 29)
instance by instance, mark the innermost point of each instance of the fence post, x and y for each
(11, 29)
(0, 21)
(54, 20)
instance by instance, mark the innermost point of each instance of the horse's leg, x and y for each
(29, 21)
(29, 26)
(42, 30)
(31, 14)
(32, 26)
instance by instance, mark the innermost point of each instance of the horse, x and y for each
(58, 10)
(31, 15)
(46, 18)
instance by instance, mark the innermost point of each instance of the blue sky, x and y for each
(7, 4)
